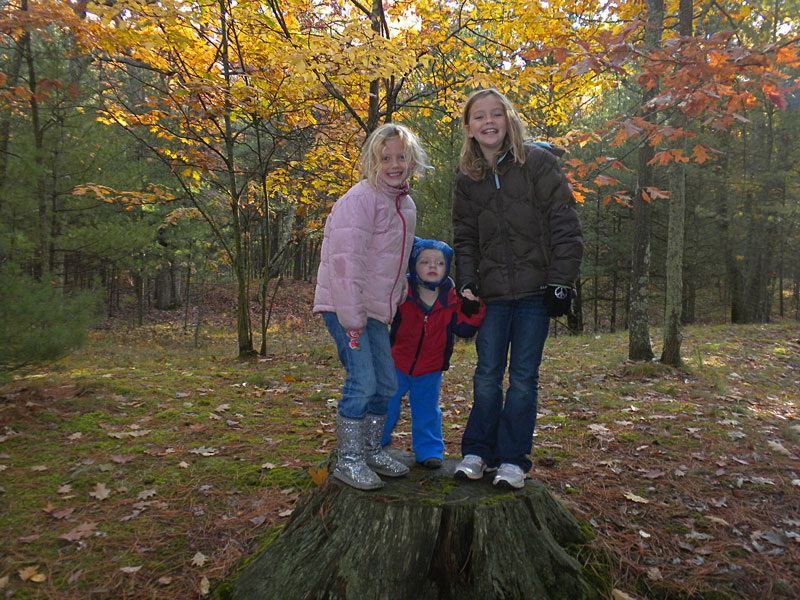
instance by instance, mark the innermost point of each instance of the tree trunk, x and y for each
(671, 351)
(673, 305)
(639, 347)
(168, 288)
(575, 315)
(424, 536)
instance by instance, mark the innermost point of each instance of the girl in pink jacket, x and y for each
(360, 283)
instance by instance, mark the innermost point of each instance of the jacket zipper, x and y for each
(402, 250)
(504, 230)
(419, 345)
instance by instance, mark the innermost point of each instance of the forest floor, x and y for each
(144, 467)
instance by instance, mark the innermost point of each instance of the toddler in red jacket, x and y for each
(422, 336)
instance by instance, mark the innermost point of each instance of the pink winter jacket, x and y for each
(364, 258)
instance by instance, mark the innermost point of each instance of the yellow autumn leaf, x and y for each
(31, 574)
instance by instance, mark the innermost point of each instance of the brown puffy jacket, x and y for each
(517, 229)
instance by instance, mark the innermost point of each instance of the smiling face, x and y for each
(431, 265)
(395, 166)
(487, 125)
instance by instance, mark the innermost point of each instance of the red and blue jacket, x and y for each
(423, 337)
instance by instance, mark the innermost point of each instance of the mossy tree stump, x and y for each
(424, 536)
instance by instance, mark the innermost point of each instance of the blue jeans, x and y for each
(426, 416)
(370, 380)
(497, 431)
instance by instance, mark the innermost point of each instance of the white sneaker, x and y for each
(509, 476)
(471, 466)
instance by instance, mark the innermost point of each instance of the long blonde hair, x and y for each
(472, 161)
(371, 153)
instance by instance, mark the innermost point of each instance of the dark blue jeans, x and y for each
(370, 378)
(498, 431)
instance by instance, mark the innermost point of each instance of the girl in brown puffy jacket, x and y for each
(518, 246)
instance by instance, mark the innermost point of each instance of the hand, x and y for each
(352, 336)
(557, 300)
(470, 307)
(469, 291)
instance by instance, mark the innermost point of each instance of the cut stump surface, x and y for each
(425, 536)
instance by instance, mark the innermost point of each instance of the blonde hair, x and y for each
(371, 153)
(472, 161)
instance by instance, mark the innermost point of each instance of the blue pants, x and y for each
(498, 431)
(370, 380)
(426, 416)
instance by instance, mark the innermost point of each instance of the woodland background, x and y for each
(155, 148)
(165, 172)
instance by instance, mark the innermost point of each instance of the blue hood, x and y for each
(420, 245)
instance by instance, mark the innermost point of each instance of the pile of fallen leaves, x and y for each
(143, 467)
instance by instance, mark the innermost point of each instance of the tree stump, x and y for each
(424, 536)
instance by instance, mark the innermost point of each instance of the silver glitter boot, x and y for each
(350, 464)
(377, 458)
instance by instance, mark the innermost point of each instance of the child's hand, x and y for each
(468, 292)
(353, 335)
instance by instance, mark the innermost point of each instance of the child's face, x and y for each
(487, 124)
(395, 166)
(431, 265)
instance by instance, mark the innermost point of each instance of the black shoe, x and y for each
(431, 463)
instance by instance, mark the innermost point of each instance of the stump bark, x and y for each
(424, 536)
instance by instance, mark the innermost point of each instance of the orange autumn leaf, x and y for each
(318, 475)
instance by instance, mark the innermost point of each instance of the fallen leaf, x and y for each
(203, 451)
(81, 531)
(318, 475)
(145, 494)
(268, 465)
(199, 559)
(122, 458)
(633, 497)
(285, 513)
(62, 513)
(222, 408)
(654, 574)
(64, 489)
(29, 538)
(775, 537)
(778, 447)
(164, 580)
(620, 595)
(123, 434)
(100, 491)
(31, 574)
(39, 468)
(205, 586)
(75, 436)
(130, 570)
(183, 464)
(3, 581)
